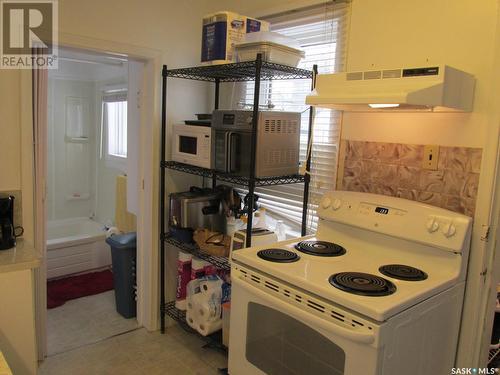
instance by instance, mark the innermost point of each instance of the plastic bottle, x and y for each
(280, 230)
(260, 219)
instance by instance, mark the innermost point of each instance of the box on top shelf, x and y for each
(221, 31)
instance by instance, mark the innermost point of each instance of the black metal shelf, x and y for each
(219, 262)
(213, 341)
(256, 71)
(240, 72)
(231, 178)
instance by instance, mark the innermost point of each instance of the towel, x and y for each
(125, 221)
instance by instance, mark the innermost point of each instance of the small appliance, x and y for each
(260, 236)
(191, 145)
(195, 209)
(7, 230)
(439, 88)
(378, 290)
(277, 151)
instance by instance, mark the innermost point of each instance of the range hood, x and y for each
(437, 88)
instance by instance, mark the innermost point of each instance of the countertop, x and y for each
(22, 257)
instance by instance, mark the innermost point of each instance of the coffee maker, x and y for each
(7, 235)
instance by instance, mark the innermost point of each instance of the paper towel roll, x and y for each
(208, 286)
(183, 277)
(208, 312)
(197, 268)
(207, 328)
(185, 257)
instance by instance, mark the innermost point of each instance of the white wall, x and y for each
(10, 130)
(392, 33)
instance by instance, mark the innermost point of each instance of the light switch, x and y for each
(431, 157)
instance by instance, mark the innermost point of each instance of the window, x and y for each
(114, 125)
(116, 118)
(321, 32)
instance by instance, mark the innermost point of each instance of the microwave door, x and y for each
(188, 145)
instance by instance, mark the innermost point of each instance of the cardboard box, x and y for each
(221, 31)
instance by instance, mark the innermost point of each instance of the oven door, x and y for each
(270, 336)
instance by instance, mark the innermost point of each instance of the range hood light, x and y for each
(377, 105)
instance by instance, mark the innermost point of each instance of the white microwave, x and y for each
(191, 145)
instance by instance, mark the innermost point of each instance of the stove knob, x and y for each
(326, 202)
(449, 230)
(337, 203)
(432, 225)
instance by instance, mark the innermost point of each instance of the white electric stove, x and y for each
(377, 290)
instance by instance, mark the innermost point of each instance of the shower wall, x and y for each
(81, 182)
(72, 135)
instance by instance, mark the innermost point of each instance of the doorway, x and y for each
(90, 116)
(34, 184)
(147, 97)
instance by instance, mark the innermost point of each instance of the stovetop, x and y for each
(313, 273)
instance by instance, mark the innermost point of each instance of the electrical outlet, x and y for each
(431, 157)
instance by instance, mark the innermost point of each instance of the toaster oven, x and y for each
(277, 152)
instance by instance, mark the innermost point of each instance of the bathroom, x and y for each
(87, 164)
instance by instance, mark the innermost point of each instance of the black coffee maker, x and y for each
(7, 232)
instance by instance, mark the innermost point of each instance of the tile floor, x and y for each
(87, 336)
(139, 352)
(84, 321)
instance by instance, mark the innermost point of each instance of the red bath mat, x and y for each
(61, 290)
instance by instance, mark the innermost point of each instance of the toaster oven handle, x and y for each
(227, 141)
(312, 320)
(231, 158)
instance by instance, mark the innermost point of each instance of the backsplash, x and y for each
(396, 169)
(18, 205)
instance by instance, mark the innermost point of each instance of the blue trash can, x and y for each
(123, 256)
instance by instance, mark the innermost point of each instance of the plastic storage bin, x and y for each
(274, 47)
(123, 256)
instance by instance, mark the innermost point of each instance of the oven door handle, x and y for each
(312, 320)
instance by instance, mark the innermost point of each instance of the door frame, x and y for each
(147, 221)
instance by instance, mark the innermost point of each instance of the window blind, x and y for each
(322, 34)
(115, 122)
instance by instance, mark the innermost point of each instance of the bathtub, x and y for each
(75, 245)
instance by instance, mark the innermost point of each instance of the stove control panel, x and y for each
(377, 210)
(397, 217)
